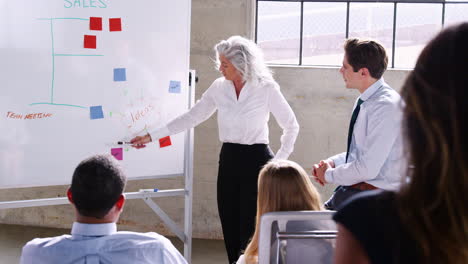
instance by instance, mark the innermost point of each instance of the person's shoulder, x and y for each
(364, 204)
(221, 81)
(268, 83)
(131, 234)
(368, 214)
(370, 198)
(154, 242)
(38, 243)
(47, 240)
(136, 238)
(385, 101)
(150, 245)
(217, 86)
(266, 87)
(387, 96)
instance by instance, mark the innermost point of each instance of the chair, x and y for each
(297, 237)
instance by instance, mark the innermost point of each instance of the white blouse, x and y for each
(242, 120)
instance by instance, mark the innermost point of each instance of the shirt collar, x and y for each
(372, 89)
(93, 229)
(245, 88)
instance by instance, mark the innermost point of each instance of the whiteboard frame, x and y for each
(184, 235)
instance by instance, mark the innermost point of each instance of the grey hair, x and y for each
(246, 57)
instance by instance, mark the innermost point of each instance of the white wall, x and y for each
(317, 95)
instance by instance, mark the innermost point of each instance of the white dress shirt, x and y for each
(376, 149)
(242, 120)
(101, 244)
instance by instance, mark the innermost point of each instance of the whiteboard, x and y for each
(66, 95)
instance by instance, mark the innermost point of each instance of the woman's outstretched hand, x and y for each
(140, 141)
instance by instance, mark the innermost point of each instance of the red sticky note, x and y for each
(95, 23)
(117, 153)
(89, 42)
(115, 24)
(164, 142)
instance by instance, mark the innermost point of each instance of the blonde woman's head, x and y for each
(283, 185)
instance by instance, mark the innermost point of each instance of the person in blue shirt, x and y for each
(96, 193)
(374, 155)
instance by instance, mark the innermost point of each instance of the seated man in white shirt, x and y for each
(374, 157)
(96, 193)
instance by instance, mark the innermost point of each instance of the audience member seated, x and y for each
(96, 193)
(282, 186)
(426, 221)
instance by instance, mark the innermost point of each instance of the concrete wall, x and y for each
(317, 95)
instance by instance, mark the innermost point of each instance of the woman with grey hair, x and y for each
(244, 98)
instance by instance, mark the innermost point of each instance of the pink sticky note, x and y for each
(117, 153)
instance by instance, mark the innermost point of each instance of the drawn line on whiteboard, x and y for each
(46, 103)
(145, 129)
(86, 55)
(60, 18)
(118, 113)
(52, 86)
(53, 61)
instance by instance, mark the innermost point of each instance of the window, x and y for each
(312, 32)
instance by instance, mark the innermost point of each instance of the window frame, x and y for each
(348, 2)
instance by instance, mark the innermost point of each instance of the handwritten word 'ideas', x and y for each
(13, 115)
(141, 113)
(84, 4)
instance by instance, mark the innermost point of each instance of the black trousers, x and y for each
(239, 166)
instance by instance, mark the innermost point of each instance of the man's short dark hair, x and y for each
(97, 184)
(366, 54)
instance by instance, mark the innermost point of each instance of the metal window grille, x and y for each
(312, 32)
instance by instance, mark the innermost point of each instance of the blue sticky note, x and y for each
(120, 75)
(174, 87)
(95, 112)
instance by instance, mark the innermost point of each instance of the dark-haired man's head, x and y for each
(365, 62)
(97, 189)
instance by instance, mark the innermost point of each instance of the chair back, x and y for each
(297, 237)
